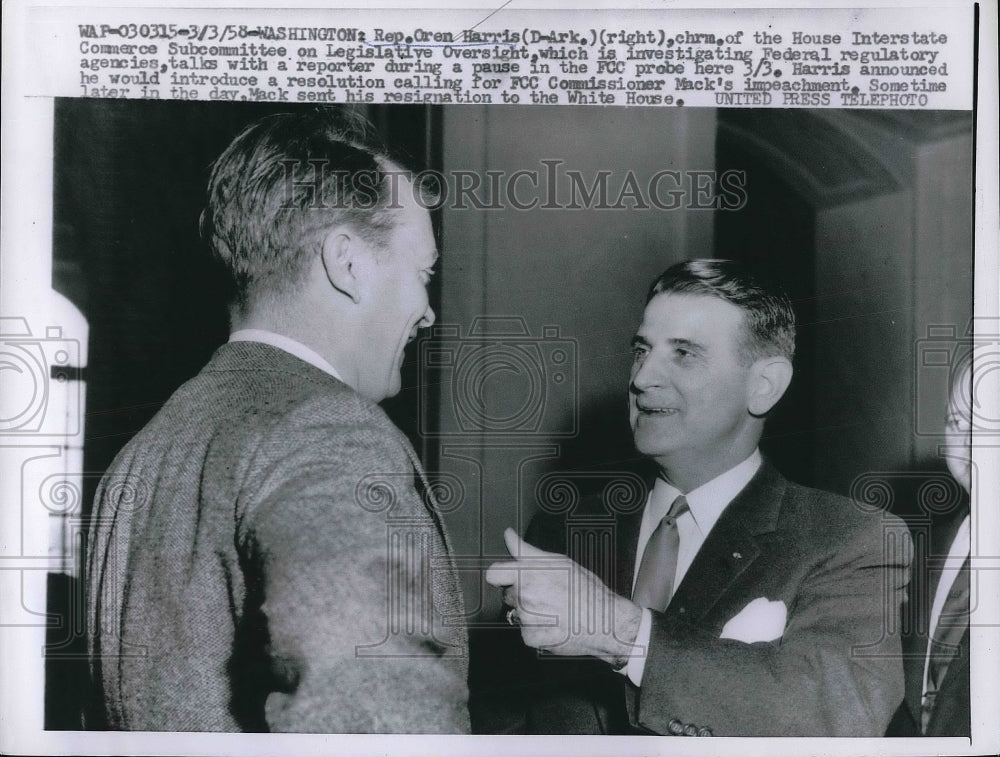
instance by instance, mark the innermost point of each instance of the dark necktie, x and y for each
(945, 639)
(655, 580)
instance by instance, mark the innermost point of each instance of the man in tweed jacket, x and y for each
(265, 553)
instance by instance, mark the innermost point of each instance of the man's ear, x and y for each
(340, 262)
(769, 378)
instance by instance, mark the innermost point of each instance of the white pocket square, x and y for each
(761, 620)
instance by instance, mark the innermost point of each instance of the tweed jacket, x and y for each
(265, 555)
(831, 668)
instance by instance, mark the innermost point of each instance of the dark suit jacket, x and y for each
(260, 559)
(951, 715)
(841, 572)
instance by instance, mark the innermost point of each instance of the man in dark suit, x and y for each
(936, 638)
(265, 553)
(731, 601)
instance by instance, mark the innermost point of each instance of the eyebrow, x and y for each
(640, 341)
(688, 345)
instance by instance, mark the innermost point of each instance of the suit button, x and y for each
(675, 727)
(705, 731)
(690, 730)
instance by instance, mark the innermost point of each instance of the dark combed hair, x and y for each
(769, 317)
(283, 182)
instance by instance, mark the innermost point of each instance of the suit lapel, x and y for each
(731, 546)
(427, 494)
(449, 600)
(923, 588)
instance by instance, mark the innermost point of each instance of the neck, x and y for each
(689, 471)
(306, 326)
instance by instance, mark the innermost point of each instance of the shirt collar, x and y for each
(707, 502)
(287, 344)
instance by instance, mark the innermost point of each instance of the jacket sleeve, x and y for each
(836, 671)
(345, 588)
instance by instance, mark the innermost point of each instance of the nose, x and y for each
(647, 374)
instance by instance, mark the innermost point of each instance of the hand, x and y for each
(562, 607)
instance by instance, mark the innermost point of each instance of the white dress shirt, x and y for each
(705, 505)
(287, 344)
(957, 555)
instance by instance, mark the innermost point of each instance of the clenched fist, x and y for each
(562, 607)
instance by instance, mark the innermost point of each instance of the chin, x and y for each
(394, 388)
(961, 470)
(649, 444)
(377, 393)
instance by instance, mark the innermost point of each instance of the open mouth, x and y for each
(650, 410)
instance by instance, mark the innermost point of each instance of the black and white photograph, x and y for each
(504, 421)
